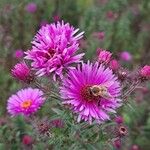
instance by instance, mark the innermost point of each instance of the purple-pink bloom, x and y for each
(21, 72)
(43, 23)
(119, 120)
(104, 55)
(56, 18)
(54, 49)
(25, 102)
(31, 7)
(99, 35)
(92, 91)
(126, 56)
(145, 71)
(18, 53)
(114, 64)
(111, 16)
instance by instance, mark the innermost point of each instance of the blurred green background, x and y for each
(116, 25)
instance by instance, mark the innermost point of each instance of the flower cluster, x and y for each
(91, 90)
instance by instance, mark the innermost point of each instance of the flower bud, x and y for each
(57, 123)
(145, 72)
(119, 120)
(134, 147)
(114, 64)
(27, 140)
(18, 54)
(117, 143)
(22, 72)
(31, 7)
(104, 56)
(126, 56)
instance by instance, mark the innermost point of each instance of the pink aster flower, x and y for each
(104, 55)
(18, 53)
(92, 91)
(145, 71)
(126, 56)
(25, 102)
(54, 49)
(22, 72)
(31, 7)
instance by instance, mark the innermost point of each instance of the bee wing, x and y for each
(107, 95)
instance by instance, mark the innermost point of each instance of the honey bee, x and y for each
(100, 90)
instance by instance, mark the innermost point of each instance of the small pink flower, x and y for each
(104, 55)
(111, 15)
(145, 71)
(119, 120)
(126, 56)
(43, 23)
(25, 102)
(31, 7)
(135, 147)
(18, 54)
(114, 64)
(56, 18)
(103, 2)
(117, 143)
(99, 35)
(22, 72)
(58, 123)
(27, 140)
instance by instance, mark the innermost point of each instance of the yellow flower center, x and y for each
(26, 104)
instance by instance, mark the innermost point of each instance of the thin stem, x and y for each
(131, 89)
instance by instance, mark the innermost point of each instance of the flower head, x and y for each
(119, 120)
(56, 18)
(18, 53)
(99, 35)
(27, 140)
(117, 143)
(22, 72)
(104, 55)
(25, 102)
(126, 56)
(145, 72)
(31, 7)
(135, 147)
(114, 64)
(92, 91)
(111, 16)
(43, 23)
(54, 49)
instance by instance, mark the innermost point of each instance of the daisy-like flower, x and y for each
(25, 102)
(92, 91)
(54, 49)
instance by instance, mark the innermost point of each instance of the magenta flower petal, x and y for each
(92, 91)
(25, 102)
